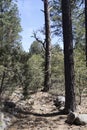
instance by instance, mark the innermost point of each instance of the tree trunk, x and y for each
(68, 57)
(86, 29)
(2, 82)
(47, 76)
(1, 25)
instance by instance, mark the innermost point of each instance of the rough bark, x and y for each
(86, 29)
(47, 76)
(68, 56)
(2, 82)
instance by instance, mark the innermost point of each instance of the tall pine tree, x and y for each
(68, 57)
(9, 41)
(86, 28)
(47, 76)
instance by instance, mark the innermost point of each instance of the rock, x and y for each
(59, 102)
(81, 119)
(4, 121)
(77, 119)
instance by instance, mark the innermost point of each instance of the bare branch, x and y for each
(81, 2)
(51, 7)
(42, 10)
(81, 14)
(38, 39)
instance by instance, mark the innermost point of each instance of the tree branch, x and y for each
(38, 39)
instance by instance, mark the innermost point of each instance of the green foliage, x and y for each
(35, 72)
(35, 48)
(57, 70)
(78, 24)
(10, 65)
(19, 68)
(56, 16)
(10, 46)
(10, 23)
(80, 71)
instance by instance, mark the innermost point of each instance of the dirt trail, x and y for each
(41, 115)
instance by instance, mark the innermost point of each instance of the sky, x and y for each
(32, 19)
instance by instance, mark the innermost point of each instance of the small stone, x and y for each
(59, 102)
(77, 119)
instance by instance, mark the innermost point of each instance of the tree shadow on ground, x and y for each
(35, 119)
(42, 115)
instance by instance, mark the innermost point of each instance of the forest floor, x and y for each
(39, 113)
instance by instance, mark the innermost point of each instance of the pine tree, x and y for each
(86, 28)
(9, 41)
(68, 56)
(47, 76)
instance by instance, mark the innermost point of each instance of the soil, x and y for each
(39, 113)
